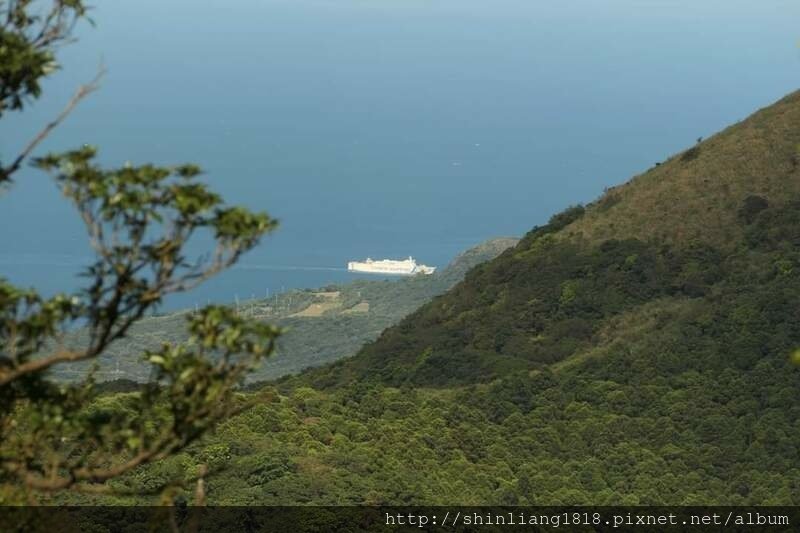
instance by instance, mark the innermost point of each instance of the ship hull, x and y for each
(388, 267)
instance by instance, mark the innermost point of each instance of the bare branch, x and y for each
(82, 92)
(85, 475)
(38, 365)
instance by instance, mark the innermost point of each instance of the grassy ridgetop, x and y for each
(695, 195)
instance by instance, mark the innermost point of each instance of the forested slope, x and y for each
(713, 229)
(635, 351)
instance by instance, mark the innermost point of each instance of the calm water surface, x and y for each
(395, 127)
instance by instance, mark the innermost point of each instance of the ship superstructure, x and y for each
(405, 267)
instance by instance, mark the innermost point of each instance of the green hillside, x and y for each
(695, 196)
(713, 230)
(322, 325)
(635, 351)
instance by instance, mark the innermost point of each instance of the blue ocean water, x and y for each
(390, 128)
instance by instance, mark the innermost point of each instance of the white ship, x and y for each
(406, 267)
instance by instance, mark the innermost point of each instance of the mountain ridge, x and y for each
(676, 191)
(672, 233)
(640, 369)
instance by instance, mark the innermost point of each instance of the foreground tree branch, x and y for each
(82, 92)
(57, 435)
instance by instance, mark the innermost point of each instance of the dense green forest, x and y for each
(634, 351)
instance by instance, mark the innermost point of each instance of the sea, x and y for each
(386, 128)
